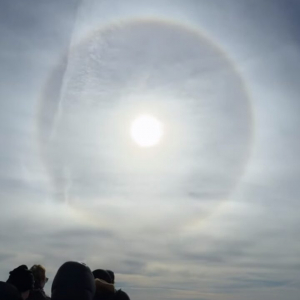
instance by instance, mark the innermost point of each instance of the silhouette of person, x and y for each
(22, 279)
(40, 279)
(73, 281)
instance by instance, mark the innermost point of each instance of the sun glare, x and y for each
(146, 131)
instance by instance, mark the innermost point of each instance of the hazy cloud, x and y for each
(210, 213)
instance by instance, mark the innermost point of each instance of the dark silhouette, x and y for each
(40, 279)
(105, 290)
(119, 294)
(22, 279)
(102, 275)
(73, 281)
(9, 292)
(111, 275)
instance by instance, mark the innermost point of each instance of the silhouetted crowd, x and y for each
(73, 281)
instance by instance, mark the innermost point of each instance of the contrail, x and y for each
(52, 115)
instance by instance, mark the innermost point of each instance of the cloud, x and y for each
(214, 212)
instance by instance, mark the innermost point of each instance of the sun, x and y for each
(146, 131)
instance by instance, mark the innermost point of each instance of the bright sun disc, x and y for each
(146, 131)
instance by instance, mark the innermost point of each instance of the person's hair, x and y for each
(39, 274)
(102, 275)
(21, 278)
(111, 275)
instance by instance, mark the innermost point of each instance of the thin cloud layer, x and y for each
(211, 213)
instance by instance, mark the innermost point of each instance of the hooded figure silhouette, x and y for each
(73, 281)
(22, 279)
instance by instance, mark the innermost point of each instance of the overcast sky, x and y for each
(212, 211)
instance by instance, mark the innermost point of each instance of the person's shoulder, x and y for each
(8, 291)
(38, 294)
(121, 295)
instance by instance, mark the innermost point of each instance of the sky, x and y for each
(211, 212)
